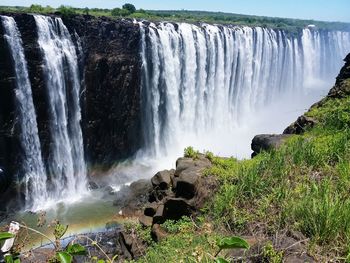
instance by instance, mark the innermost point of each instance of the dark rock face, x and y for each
(7, 115)
(111, 70)
(110, 99)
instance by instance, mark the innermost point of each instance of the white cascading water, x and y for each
(32, 164)
(66, 165)
(208, 85)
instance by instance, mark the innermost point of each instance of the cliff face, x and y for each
(110, 98)
(111, 72)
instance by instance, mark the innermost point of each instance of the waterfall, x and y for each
(66, 165)
(201, 79)
(32, 164)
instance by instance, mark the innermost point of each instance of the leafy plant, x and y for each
(271, 255)
(189, 152)
(11, 257)
(5, 235)
(230, 243)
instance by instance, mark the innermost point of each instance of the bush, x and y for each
(189, 152)
(66, 11)
(36, 8)
(120, 12)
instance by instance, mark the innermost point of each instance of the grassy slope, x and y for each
(292, 25)
(302, 186)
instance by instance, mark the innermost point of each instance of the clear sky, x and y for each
(328, 10)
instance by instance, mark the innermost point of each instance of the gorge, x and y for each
(82, 93)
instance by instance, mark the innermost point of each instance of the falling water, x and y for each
(200, 79)
(66, 166)
(32, 164)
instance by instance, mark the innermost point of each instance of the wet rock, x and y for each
(133, 198)
(141, 187)
(93, 185)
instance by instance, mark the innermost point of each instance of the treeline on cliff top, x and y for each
(130, 11)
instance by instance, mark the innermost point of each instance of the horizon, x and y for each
(320, 10)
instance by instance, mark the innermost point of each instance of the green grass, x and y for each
(304, 186)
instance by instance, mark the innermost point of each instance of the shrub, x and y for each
(36, 8)
(66, 11)
(120, 12)
(189, 152)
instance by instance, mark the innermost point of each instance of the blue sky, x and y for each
(328, 10)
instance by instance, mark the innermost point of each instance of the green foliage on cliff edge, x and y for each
(129, 10)
(303, 186)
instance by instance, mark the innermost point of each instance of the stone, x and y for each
(151, 209)
(158, 233)
(146, 220)
(93, 185)
(140, 187)
(162, 179)
(267, 142)
(300, 125)
(185, 184)
(185, 163)
(158, 217)
(175, 208)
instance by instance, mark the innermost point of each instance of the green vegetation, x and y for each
(302, 186)
(130, 11)
(189, 152)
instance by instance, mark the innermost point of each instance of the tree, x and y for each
(115, 11)
(130, 7)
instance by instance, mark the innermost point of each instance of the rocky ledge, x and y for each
(341, 89)
(169, 195)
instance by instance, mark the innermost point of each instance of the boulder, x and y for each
(146, 220)
(185, 184)
(267, 142)
(185, 163)
(300, 125)
(93, 185)
(158, 217)
(175, 208)
(162, 179)
(151, 209)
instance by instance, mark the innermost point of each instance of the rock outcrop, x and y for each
(177, 193)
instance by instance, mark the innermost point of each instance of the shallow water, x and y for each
(93, 213)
